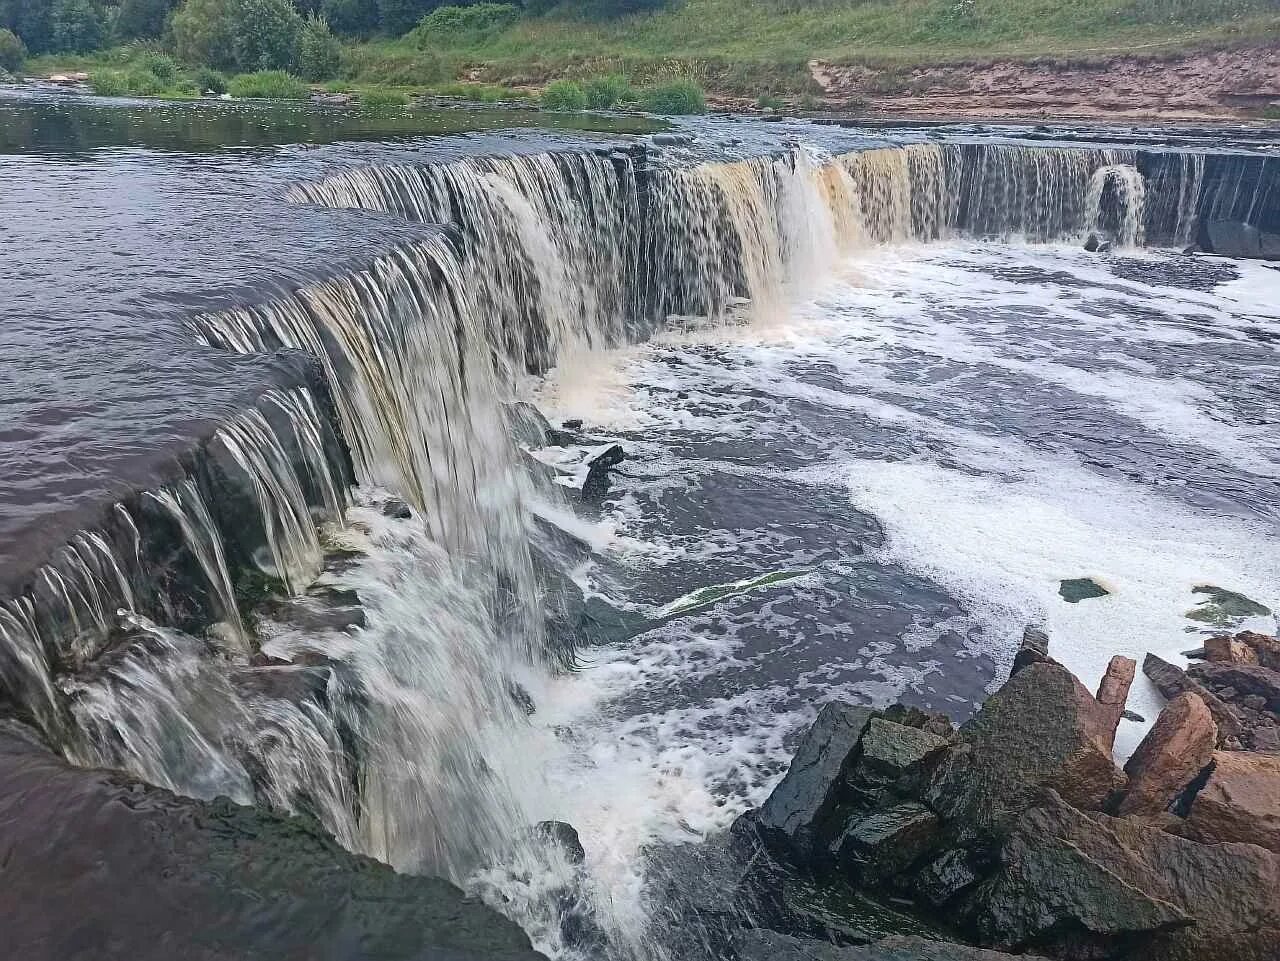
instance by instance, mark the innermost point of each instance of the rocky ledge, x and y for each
(1018, 834)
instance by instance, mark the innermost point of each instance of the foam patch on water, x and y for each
(1004, 545)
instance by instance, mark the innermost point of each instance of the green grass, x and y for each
(268, 85)
(377, 99)
(564, 95)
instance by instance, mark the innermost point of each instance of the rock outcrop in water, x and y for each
(99, 866)
(1018, 832)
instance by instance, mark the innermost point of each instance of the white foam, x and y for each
(1003, 545)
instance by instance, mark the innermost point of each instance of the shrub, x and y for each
(268, 85)
(12, 51)
(605, 92)
(78, 26)
(237, 34)
(318, 53)
(163, 66)
(208, 80)
(135, 82)
(454, 24)
(563, 95)
(676, 97)
(383, 99)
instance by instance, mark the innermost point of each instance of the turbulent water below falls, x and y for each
(925, 449)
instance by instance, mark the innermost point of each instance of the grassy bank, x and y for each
(756, 48)
(763, 46)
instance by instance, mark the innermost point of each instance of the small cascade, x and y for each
(1124, 187)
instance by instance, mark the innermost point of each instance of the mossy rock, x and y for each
(1077, 589)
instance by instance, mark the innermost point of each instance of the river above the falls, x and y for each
(880, 414)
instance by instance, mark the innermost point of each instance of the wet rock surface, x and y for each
(1022, 833)
(99, 866)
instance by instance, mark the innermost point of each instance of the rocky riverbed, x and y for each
(1017, 834)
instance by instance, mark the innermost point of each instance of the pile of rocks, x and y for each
(1019, 833)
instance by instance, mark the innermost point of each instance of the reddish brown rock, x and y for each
(1171, 681)
(1228, 650)
(1267, 649)
(1176, 749)
(1240, 802)
(1113, 692)
(1238, 681)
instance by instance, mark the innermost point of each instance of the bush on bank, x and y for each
(679, 97)
(268, 85)
(12, 51)
(564, 95)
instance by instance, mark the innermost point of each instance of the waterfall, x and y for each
(178, 640)
(1130, 193)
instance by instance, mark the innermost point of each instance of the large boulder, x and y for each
(885, 843)
(1173, 754)
(1041, 730)
(97, 866)
(1170, 680)
(892, 758)
(1073, 884)
(1227, 650)
(1245, 679)
(761, 944)
(1235, 238)
(1089, 885)
(794, 814)
(1264, 647)
(1240, 801)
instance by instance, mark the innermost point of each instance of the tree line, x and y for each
(243, 34)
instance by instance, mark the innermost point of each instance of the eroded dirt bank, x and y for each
(1236, 83)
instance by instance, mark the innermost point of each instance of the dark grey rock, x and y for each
(946, 877)
(1133, 716)
(100, 867)
(1171, 681)
(1095, 243)
(1234, 238)
(808, 793)
(761, 944)
(596, 484)
(891, 751)
(1077, 589)
(1242, 679)
(881, 845)
(1071, 882)
(528, 425)
(397, 509)
(1040, 730)
(564, 836)
(1033, 650)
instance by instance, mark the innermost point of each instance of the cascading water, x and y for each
(1130, 194)
(385, 728)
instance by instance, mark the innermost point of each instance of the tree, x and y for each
(355, 18)
(31, 20)
(12, 50)
(142, 19)
(318, 53)
(398, 17)
(240, 35)
(78, 25)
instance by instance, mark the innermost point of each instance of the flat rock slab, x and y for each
(97, 866)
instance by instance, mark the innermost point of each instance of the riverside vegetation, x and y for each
(656, 54)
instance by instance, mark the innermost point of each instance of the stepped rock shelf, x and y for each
(211, 674)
